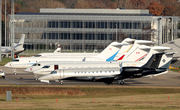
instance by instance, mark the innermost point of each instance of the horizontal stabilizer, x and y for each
(128, 40)
(119, 44)
(144, 47)
(144, 42)
(161, 48)
(169, 53)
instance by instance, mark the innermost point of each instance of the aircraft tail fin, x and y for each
(21, 41)
(154, 61)
(58, 50)
(138, 53)
(109, 51)
(154, 50)
(19, 46)
(166, 60)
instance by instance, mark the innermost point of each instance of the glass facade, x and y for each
(86, 32)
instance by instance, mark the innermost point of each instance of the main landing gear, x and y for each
(120, 82)
(36, 78)
(35, 75)
(61, 82)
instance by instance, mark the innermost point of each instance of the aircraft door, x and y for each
(55, 67)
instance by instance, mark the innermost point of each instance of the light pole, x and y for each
(0, 26)
(158, 29)
(116, 32)
(12, 29)
(5, 23)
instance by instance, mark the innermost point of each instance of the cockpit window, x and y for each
(36, 64)
(37, 56)
(53, 72)
(15, 60)
(45, 66)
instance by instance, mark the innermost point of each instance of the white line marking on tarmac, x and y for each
(12, 81)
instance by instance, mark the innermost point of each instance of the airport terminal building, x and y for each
(90, 29)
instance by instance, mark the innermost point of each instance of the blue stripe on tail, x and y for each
(112, 57)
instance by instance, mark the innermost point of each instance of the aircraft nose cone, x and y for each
(43, 78)
(28, 69)
(7, 65)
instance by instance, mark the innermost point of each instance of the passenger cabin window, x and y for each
(45, 66)
(53, 72)
(36, 64)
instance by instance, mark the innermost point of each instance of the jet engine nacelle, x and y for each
(132, 71)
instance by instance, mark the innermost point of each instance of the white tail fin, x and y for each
(124, 49)
(154, 50)
(166, 60)
(137, 43)
(19, 46)
(58, 50)
(112, 50)
(21, 41)
(109, 51)
(139, 53)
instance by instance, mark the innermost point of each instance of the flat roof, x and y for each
(94, 11)
(79, 14)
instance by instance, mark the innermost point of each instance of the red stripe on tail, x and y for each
(121, 57)
(140, 57)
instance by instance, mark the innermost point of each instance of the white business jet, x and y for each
(18, 48)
